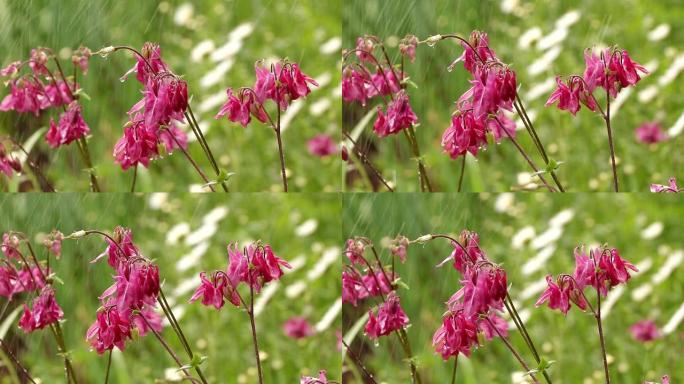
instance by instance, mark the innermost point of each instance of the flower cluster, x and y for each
(8, 163)
(602, 268)
(670, 188)
(130, 301)
(18, 276)
(39, 89)
(152, 120)
(480, 109)
(283, 83)
(360, 280)
(474, 308)
(255, 266)
(611, 70)
(368, 78)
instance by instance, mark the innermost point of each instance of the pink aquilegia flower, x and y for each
(399, 116)
(9, 165)
(665, 380)
(81, 58)
(53, 243)
(670, 188)
(355, 86)
(601, 268)
(26, 95)
(351, 287)
(108, 331)
(138, 145)
(354, 250)
(407, 47)
(465, 134)
(645, 330)
(71, 127)
(45, 311)
(650, 133)
(390, 317)
(10, 246)
(321, 379)
(384, 82)
(255, 266)
(151, 55)
(476, 53)
(322, 145)
(365, 46)
(215, 291)
(457, 334)
(398, 247)
(612, 70)
(298, 328)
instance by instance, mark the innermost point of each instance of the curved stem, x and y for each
(460, 178)
(205, 146)
(281, 153)
(526, 336)
(166, 347)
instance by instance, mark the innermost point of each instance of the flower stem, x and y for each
(59, 338)
(166, 347)
(520, 108)
(422, 174)
(597, 315)
(403, 339)
(460, 178)
(16, 361)
(359, 363)
(365, 160)
(109, 365)
(524, 155)
(179, 332)
(523, 332)
(85, 153)
(610, 143)
(453, 374)
(514, 352)
(135, 178)
(192, 161)
(205, 146)
(282, 154)
(254, 334)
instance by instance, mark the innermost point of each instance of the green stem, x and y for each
(460, 178)
(254, 334)
(453, 374)
(109, 365)
(205, 146)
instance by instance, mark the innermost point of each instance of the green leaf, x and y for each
(9, 320)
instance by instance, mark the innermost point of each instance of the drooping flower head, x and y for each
(216, 290)
(399, 116)
(8, 163)
(44, 311)
(407, 47)
(561, 294)
(354, 250)
(398, 247)
(390, 317)
(81, 58)
(355, 85)
(465, 134)
(670, 188)
(321, 379)
(110, 330)
(457, 334)
(71, 127)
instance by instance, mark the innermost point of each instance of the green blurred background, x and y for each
(214, 44)
(531, 236)
(187, 234)
(650, 30)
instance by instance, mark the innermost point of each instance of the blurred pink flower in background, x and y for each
(650, 133)
(645, 330)
(298, 328)
(671, 188)
(322, 145)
